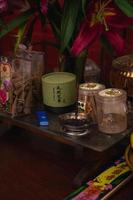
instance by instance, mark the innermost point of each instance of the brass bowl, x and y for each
(124, 63)
(121, 74)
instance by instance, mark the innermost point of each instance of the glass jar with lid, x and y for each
(112, 110)
(86, 99)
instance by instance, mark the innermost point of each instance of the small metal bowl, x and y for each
(74, 124)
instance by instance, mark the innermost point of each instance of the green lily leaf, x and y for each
(80, 65)
(2, 23)
(84, 2)
(42, 19)
(126, 6)
(106, 44)
(16, 22)
(20, 35)
(29, 31)
(69, 22)
(54, 17)
(47, 43)
(34, 2)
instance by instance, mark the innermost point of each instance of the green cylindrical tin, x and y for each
(59, 91)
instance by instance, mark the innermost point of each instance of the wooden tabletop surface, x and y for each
(35, 168)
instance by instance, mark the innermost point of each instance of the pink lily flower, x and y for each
(3, 96)
(103, 18)
(44, 7)
(7, 85)
(3, 5)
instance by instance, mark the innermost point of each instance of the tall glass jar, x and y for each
(86, 99)
(37, 70)
(112, 110)
(21, 95)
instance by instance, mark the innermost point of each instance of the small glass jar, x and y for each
(91, 71)
(86, 99)
(74, 124)
(112, 110)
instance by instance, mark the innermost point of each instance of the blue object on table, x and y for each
(42, 118)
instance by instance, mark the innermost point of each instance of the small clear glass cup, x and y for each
(74, 124)
(112, 110)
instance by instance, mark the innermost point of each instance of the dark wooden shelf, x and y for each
(94, 140)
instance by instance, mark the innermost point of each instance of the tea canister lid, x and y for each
(111, 94)
(91, 87)
(58, 77)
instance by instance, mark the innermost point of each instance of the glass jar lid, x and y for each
(91, 87)
(112, 94)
